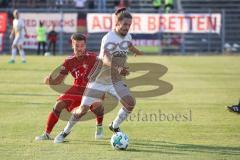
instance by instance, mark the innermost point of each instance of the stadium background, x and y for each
(202, 87)
(227, 40)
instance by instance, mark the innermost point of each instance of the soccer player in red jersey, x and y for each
(113, 55)
(79, 65)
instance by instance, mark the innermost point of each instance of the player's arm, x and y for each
(12, 34)
(25, 29)
(61, 75)
(135, 51)
(49, 80)
(107, 60)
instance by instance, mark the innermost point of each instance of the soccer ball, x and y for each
(119, 141)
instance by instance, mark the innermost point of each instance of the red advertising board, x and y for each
(152, 23)
(3, 22)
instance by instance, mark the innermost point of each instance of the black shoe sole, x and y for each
(114, 130)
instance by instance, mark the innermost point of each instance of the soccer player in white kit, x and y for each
(18, 32)
(113, 55)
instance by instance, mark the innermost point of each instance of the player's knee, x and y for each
(56, 112)
(132, 103)
(20, 47)
(59, 106)
(84, 110)
(97, 109)
(101, 110)
(14, 46)
(129, 103)
(81, 111)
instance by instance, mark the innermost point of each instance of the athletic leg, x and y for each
(52, 120)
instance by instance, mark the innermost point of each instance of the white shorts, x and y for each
(95, 91)
(18, 40)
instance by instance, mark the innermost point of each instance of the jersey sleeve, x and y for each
(102, 49)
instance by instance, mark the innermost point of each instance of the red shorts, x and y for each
(74, 96)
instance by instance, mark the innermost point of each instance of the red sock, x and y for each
(99, 120)
(52, 120)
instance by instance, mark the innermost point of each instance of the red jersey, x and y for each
(52, 36)
(79, 68)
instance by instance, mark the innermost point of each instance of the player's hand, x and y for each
(47, 80)
(11, 37)
(124, 71)
(139, 53)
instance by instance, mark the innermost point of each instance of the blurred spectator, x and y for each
(80, 3)
(168, 5)
(52, 40)
(172, 40)
(157, 4)
(41, 38)
(101, 5)
(175, 40)
(122, 4)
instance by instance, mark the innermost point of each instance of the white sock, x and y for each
(70, 125)
(122, 115)
(22, 53)
(14, 52)
(46, 133)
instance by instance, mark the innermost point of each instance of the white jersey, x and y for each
(18, 27)
(117, 49)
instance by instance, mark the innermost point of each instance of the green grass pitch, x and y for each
(202, 87)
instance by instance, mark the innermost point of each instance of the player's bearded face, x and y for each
(124, 26)
(79, 47)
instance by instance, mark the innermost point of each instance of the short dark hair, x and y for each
(122, 13)
(15, 12)
(40, 23)
(78, 37)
